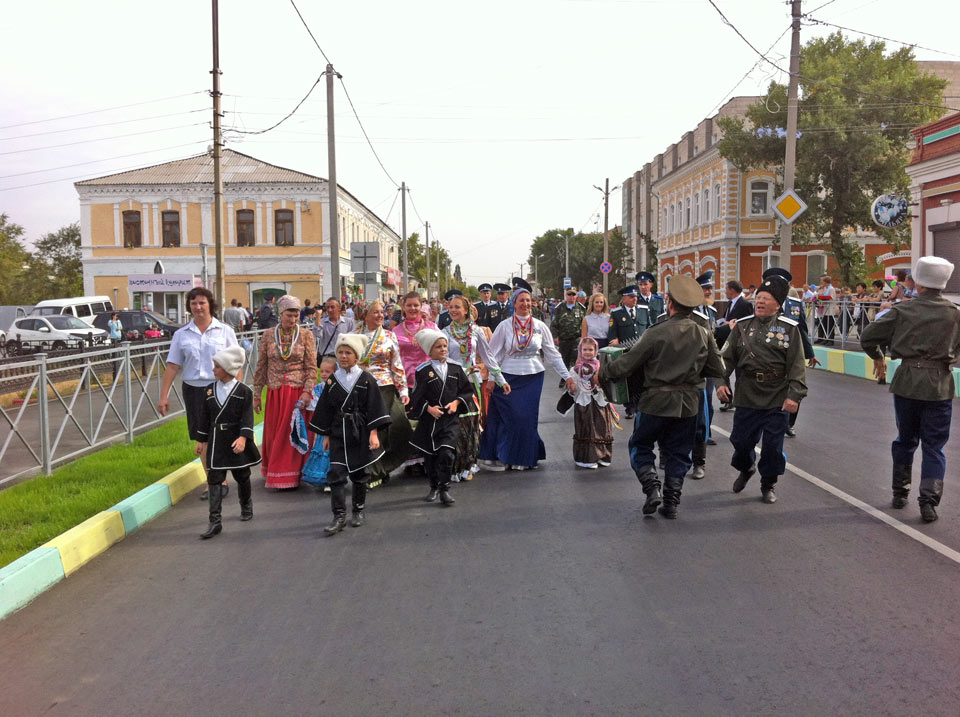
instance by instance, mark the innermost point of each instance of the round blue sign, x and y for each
(606, 267)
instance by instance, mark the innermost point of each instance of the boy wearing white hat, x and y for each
(226, 429)
(441, 391)
(924, 334)
(348, 414)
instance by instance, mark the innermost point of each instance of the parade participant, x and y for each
(266, 319)
(670, 360)
(444, 319)
(924, 333)
(287, 366)
(706, 316)
(793, 308)
(318, 461)
(407, 328)
(596, 322)
(226, 436)
(627, 323)
(565, 327)
(348, 414)
(330, 327)
(765, 350)
(646, 297)
(484, 304)
(511, 438)
(382, 359)
(501, 309)
(441, 393)
(592, 415)
(468, 347)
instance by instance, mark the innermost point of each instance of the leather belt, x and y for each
(925, 363)
(677, 387)
(225, 426)
(768, 377)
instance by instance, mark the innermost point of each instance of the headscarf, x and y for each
(288, 302)
(592, 365)
(516, 295)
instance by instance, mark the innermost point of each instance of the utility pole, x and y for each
(332, 189)
(566, 251)
(606, 228)
(426, 234)
(221, 290)
(403, 229)
(790, 159)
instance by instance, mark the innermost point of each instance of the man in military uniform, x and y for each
(566, 325)
(766, 352)
(669, 363)
(706, 316)
(793, 308)
(499, 310)
(646, 297)
(484, 304)
(924, 333)
(627, 324)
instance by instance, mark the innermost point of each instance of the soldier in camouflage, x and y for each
(566, 325)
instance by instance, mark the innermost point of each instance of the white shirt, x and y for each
(441, 368)
(347, 379)
(224, 388)
(506, 351)
(349, 313)
(193, 351)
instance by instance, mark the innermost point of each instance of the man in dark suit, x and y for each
(500, 309)
(627, 323)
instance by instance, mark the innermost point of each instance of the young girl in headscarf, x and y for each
(592, 415)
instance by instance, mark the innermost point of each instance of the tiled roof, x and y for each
(235, 167)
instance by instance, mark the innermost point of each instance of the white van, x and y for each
(84, 308)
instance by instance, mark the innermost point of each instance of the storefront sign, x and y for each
(161, 282)
(889, 210)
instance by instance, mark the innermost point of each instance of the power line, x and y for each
(829, 2)
(94, 161)
(105, 124)
(365, 131)
(310, 32)
(747, 73)
(288, 116)
(815, 21)
(107, 109)
(415, 207)
(101, 139)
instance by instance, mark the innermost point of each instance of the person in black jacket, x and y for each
(226, 429)
(440, 393)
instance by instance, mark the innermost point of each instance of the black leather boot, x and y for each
(902, 479)
(768, 489)
(338, 503)
(216, 524)
(445, 496)
(359, 500)
(432, 495)
(650, 482)
(931, 490)
(699, 456)
(672, 486)
(741, 482)
(245, 493)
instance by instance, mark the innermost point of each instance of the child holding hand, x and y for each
(318, 462)
(592, 415)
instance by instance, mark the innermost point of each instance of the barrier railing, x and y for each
(839, 323)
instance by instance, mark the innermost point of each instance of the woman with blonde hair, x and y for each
(597, 321)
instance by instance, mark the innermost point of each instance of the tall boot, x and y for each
(445, 496)
(650, 482)
(902, 479)
(359, 499)
(338, 503)
(699, 456)
(216, 500)
(672, 486)
(931, 489)
(245, 493)
(768, 489)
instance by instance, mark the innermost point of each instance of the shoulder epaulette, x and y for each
(701, 315)
(788, 320)
(744, 318)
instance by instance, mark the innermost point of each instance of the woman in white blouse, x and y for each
(596, 323)
(511, 438)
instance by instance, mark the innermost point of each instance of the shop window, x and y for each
(131, 230)
(759, 198)
(283, 233)
(170, 222)
(246, 234)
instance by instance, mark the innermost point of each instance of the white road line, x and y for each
(868, 509)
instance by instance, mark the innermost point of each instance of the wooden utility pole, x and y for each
(332, 190)
(403, 230)
(790, 158)
(220, 290)
(606, 227)
(426, 230)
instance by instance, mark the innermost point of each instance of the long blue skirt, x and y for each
(511, 434)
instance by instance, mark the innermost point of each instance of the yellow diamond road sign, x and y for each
(789, 206)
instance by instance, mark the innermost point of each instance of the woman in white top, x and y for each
(511, 438)
(596, 323)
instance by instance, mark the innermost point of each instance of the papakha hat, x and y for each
(933, 272)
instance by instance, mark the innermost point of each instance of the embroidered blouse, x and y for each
(382, 360)
(505, 347)
(477, 344)
(410, 352)
(273, 371)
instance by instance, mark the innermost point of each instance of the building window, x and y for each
(170, 222)
(686, 214)
(718, 214)
(673, 217)
(816, 267)
(696, 209)
(706, 205)
(663, 231)
(770, 259)
(759, 197)
(131, 230)
(283, 219)
(246, 233)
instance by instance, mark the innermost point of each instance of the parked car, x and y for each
(82, 307)
(53, 333)
(136, 322)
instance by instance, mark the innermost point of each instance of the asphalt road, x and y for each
(544, 592)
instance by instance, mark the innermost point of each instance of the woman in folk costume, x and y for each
(381, 358)
(412, 322)
(442, 392)
(511, 438)
(287, 366)
(592, 415)
(465, 340)
(348, 414)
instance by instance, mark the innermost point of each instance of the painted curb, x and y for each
(858, 364)
(183, 480)
(143, 506)
(28, 576)
(81, 544)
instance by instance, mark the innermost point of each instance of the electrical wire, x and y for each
(105, 124)
(747, 74)
(101, 139)
(829, 2)
(815, 21)
(310, 32)
(412, 204)
(288, 116)
(342, 84)
(107, 109)
(93, 161)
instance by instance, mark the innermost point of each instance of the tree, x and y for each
(852, 145)
(586, 255)
(56, 264)
(13, 260)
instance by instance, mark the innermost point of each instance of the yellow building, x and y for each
(145, 234)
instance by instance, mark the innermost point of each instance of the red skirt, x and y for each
(282, 463)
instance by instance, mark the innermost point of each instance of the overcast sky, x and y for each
(500, 116)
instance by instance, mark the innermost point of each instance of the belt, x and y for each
(926, 363)
(677, 387)
(225, 426)
(768, 377)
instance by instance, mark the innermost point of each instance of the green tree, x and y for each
(852, 145)
(56, 264)
(586, 256)
(13, 260)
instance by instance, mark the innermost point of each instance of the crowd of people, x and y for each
(355, 393)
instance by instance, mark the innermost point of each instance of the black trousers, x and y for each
(337, 480)
(568, 351)
(439, 468)
(675, 438)
(217, 476)
(766, 426)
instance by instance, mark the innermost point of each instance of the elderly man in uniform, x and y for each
(925, 335)
(500, 309)
(706, 316)
(627, 324)
(484, 304)
(671, 361)
(766, 352)
(646, 297)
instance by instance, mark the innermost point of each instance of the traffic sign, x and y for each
(606, 267)
(789, 206)
(567, 282)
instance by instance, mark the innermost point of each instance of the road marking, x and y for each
(868, 509)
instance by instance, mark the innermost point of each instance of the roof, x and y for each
(234, 166)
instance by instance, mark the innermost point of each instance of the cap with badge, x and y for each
(644, 276)
(685, 291)
(630, 290)
(777, 287)
(501, 288)
(450, 294)
(519, 283)
(705, 280)
(485, 287)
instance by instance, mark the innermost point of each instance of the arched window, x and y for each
(718, 213)
(706, 205)
(673, 218)
(686, 213)
(696, 209)
(759, 198)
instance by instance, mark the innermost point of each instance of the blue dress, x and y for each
(318, 462)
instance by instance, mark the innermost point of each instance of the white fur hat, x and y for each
(427, 338)
(357, 342)
(932, 272)
(230, 359)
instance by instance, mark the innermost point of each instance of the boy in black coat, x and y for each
(227, 426)
(440, 392)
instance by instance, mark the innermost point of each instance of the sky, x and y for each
(500, 116)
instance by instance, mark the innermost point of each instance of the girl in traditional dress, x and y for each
(465, 341)
(511, 438)
(318, 461)
(413, 321)
(592, 415)
(287, 366)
